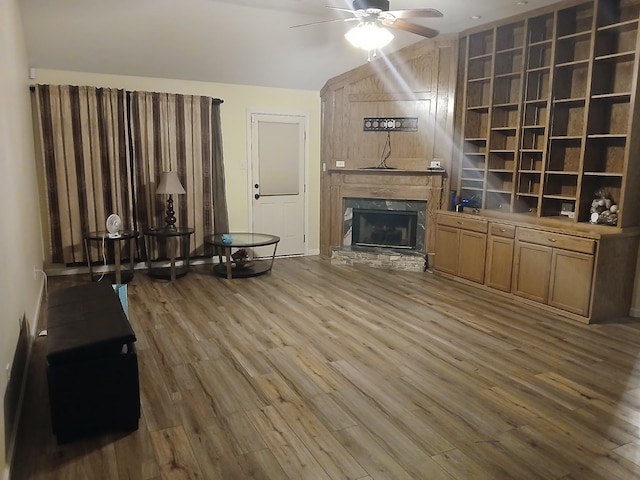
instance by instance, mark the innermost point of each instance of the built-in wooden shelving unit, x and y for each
(548, 111)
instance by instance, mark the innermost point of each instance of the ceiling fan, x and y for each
(374, 15)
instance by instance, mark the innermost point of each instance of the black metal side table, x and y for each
(168, 266)
(103, 238)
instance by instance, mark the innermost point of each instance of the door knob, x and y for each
(256, 185)
(257, 196)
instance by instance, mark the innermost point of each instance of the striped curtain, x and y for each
(179, 133)
(103, 151)
(84, 146)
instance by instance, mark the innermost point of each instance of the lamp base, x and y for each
(170, 219)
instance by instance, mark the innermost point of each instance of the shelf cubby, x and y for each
(540, 29)
(537, 86)
(529, 184)
(473, 174)
(571, 81)
(480, 44)
(531, 161)
(592, 184)
(617, 38)
(503, 140)
(505, 116)
(617, 12)
(613, 74)
(609, 117)
(533, 139)
(539, 55)
(525, 203)
(499, 181)
(535, 114)
(564, 155)
(475, 146)
(510, 37)
(498, 201)
(477, 123)
(605, 155)
(575, 20)
(507, 89)
(575, 48)
(561, 185)
(552, 207)
(479, 93)
(502, 160)
(509, 62)
(480, 68)
(568, 119)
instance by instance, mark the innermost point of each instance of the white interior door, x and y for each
(278, 181)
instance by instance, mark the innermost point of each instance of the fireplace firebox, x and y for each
(384, 228)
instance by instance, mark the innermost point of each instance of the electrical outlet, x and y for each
(339, 163)
(435, 164)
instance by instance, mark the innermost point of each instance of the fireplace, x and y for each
(384, 223)
(384, 228)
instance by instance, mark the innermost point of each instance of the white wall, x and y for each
(238, 101)
(21, 238)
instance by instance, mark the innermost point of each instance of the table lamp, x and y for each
(170, 185)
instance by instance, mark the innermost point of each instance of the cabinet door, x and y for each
(471, 256)
(571, 275)
(447, 242)
(499, 263)
(531, 272)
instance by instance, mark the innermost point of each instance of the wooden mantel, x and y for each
(379, 183)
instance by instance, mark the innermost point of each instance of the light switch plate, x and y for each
(339, 163)
(435, 164)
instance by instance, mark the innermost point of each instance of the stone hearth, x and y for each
(379, 258)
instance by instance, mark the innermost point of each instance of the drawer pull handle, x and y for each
(552, 240)
(502, 230)
(460, 223)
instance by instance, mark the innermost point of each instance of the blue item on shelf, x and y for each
(226, 238)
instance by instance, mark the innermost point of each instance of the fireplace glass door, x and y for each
(384, 228)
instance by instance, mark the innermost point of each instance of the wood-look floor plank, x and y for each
(317, 371)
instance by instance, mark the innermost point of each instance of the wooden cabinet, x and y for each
(499, 256)
(461, 247)
(586, 274)
(548, 111)
(554, 268)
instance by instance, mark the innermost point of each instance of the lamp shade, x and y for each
(368, 36)
(169, 184)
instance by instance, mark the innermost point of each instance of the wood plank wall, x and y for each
(418, 81)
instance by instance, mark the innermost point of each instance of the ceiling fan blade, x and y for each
(324, 21)
(416, 13)
(348, 10)
(413, 28)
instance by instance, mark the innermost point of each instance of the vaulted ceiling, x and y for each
(246, 42)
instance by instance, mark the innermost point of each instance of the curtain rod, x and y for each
(215, 101)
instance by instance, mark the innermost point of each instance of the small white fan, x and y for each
(114, 223)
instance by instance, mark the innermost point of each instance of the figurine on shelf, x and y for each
(603, 208)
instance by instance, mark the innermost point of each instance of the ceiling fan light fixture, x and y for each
(369, 36)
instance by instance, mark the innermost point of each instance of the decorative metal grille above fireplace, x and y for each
(384, 228)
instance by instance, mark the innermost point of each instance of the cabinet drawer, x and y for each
(557, 240)
(463, 223)
(502, 230)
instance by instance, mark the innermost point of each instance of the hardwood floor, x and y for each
(334, 372)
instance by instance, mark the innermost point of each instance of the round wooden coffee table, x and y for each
(237, 240)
